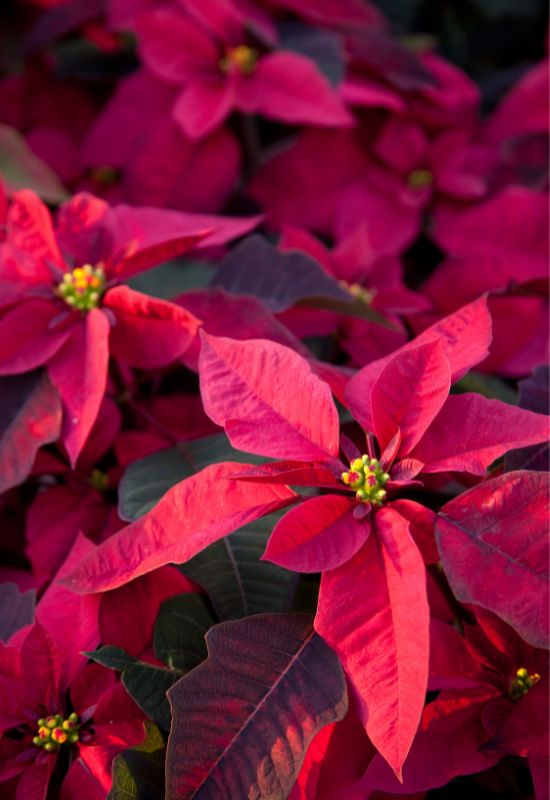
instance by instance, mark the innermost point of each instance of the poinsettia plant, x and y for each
(274, 400)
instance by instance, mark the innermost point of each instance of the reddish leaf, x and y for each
(127, 615)
(147, 236)
(242, 720)
(30, 414)
(493, 545)
(289, 87)
(523, 727)
(447, 744)
(28, 338)
(190, 516)
(317, 535)
(541, 777)
(79, 372)
(374, 612)
(268, 399)
(69, 617)
(465, 337)
(292, 473)
(409, 392)
(470, 432)
(149, 332)
(30, 235)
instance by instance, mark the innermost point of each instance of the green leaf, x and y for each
(138, 773)
(148, 685)
(146, 480)
(487, 385)
(173, 278)
(237, 582)
(512, 9)
(180, 629)
(352, 307)
(21, 169)
(111, 657)
(145, 683)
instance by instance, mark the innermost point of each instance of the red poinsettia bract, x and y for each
(370, 542)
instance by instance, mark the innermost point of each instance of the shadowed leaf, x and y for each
(493, 544)
(138, 773)
(279, 279)
(21, 169)
(237, 582)
(145, 683)
(534, 395)
(16, 609)
(181, 625)
(30, 414)
(321, 46)
(146, 480)
(243, 720)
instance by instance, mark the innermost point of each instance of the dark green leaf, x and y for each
(172, 279)
(148, 685)
(81, 59)
(487, 385)
(499, 9)
(111, 656)
(401, 12)
(138, 773)
(145, 683)
(352, 306)
(237, 582)
(180, 629)
(146, 480)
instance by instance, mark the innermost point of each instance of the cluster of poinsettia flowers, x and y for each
(274, 490)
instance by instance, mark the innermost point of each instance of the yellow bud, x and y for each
(522, 673)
